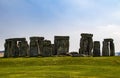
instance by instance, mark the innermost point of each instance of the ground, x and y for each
(60, 67)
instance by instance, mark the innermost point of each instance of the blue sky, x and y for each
(25, 18)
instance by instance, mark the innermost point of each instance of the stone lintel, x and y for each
(86, 35)
(36, 38)
(108, 39)
(16, 39)
(62, 37)
(96, 41)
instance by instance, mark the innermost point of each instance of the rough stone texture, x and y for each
(108, 47)
(12, 47)
(112, 49)
(86, 44)
(96, 49)
(61, 45)
(36, 46)
(15, 49)
(53, 49)
(47, 48)
(40, 42)
(23, 48)
(7, 46)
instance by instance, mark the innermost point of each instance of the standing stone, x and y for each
(7, 48)
(47, 49)
(12, 47)
(108, 48)
(61, 44)
(105, 49)
(36, 46)
(112, 49)
(53, 49)
(15, 49)
(86, 44)
(33, 47)
(96, 49)
(23, 48)
(40, 45)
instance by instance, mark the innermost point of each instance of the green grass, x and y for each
(60, 67)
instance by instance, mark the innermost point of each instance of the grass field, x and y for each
(60, 67)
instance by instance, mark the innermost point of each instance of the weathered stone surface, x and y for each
(96, 49)
(15, 49)
(61, 44)
(53, 49)
(16, 39)
(86, 44)
(23, 48)
(112, 49)
(7, 46)
(47, 49)
(108, 47)
(12, 47)
(36, 46)
(105, 49)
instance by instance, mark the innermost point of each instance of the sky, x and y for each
(47, 18)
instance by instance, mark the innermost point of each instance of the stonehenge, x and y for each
(61, 44)
(108, 48)
(96, 49)
(86, 44)
(38, 46)
(15, 47)
(47, 48)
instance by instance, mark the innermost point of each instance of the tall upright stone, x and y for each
(61, 45)
(108, 47)
(23, 48)
(96, 49)
(36, 46)
(40, 42)
(15, 49)
(112, 49)
(47, 48)
(86, 44)
(7, 46)
(53, 49)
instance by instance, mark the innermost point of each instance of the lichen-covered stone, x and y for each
(36, 46)
(47, 48)
(112, 49)
(23, 48)
(61, 45)
(53, 49)
(86, 44)
(108, 47)
(12, 48)
(96, 49)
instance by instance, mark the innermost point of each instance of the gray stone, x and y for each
(53, 49)
(96, 49)
(61, 44)
(23, 48)
(12, 47)
(36, 46)
(86, 44)
(108, 47)
(47, 49)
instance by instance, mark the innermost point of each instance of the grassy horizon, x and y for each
(60, 67)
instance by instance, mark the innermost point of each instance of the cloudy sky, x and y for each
(25, 18)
